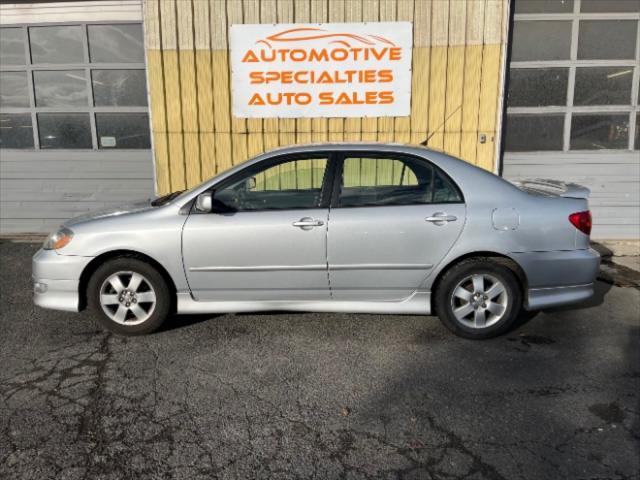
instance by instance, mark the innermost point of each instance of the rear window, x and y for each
(382, 181)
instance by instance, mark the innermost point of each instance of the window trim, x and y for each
(267, 163)
(342, 155)
(572, 63)
(86, 68)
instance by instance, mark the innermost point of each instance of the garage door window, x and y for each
(574, 76)
(77, 86)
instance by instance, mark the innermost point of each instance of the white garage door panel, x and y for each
(39, 190)
(614, 180)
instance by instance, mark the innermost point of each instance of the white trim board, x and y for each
(94, 11)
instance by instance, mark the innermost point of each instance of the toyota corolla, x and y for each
(365, 228)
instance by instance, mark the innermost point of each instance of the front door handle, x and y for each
(307, 223)
(441, 218)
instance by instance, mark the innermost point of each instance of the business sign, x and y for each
(321, 70)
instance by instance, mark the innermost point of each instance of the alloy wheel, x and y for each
(127, 298)
(479, 301)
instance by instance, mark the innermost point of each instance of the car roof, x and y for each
(341, 146)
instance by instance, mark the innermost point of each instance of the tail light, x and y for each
(582, 221)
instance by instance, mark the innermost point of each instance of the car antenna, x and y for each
(424, 144)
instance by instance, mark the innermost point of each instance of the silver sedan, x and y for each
(366, 228)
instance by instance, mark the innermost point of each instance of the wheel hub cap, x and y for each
(127, 298)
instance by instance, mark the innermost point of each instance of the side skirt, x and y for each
(418, 303)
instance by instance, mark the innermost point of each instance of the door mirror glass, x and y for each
(204, 203)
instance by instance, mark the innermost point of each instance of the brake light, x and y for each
(582, 221)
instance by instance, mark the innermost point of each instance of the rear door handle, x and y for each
(440, 218)
(307, 223)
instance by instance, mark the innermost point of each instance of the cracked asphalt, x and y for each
(324, 396)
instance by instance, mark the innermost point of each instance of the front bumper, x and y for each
(56, 279)
(558, 278)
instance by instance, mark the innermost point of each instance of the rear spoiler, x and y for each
(554, 187)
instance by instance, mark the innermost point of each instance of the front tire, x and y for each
(479, 298)
(128, 296)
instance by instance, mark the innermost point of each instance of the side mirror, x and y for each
(204, 202)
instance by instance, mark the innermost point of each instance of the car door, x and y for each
(266, 239)
(392, 219)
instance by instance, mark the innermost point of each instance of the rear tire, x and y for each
(478, 298)
(128, 296)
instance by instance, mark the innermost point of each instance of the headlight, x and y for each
(58, 239)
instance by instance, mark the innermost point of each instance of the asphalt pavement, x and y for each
(323, 396)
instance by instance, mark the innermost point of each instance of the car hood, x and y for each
(135, 207)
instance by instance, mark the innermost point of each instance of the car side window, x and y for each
(292, 184)
(444, 191)
(379, 181)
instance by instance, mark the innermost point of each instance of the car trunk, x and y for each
(552, 188)
(571, 198)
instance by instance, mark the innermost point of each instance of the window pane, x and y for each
(544, 6)
(527, 133)
(59, 44)
(123, 130)
(60, 88)
(372, 172)
(610, 6)
(598, 131)
(119, 87)
(11, 46)
(534, 87)
(388, 181)
(16, 130)
(116, 43)
(13, 89)
(64, 130)
(541, 40)
(290, 185)
(607, 39)
(603, 86)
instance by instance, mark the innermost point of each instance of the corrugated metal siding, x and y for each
(614, 180)
(457, 60)
(39, 190)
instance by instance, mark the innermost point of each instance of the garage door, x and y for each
(573, 104)
(74, 121)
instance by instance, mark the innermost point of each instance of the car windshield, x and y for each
(163, 200)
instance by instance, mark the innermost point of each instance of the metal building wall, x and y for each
(458, 57)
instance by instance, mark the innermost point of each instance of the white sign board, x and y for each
(321, 70)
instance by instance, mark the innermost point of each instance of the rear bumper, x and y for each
(539, 298)
(558, 278)
(56, 279)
